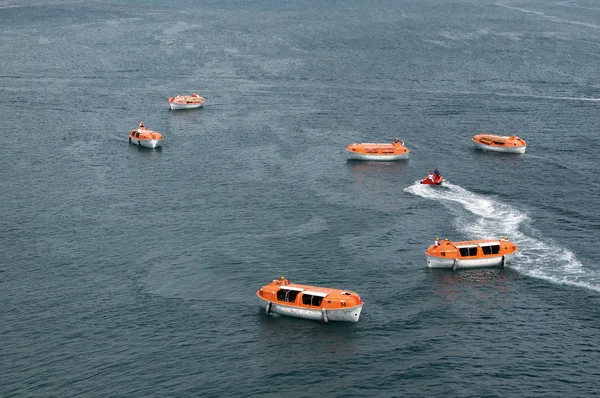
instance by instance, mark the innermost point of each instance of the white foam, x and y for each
(550, 17)
(481, 216)
(551, 97)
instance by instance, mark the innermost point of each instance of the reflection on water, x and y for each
(147, 158)
(302, 340)
(369, 164)
(452, 285)
(507, 158)
(364, 169)
(144, 149)
(183, 114)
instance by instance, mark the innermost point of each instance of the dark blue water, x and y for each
(128, 272)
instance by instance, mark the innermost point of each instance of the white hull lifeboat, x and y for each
(143, 137)
(499, 143)
(186, 102)
(471, 254)
(309, 302)
(377, 152)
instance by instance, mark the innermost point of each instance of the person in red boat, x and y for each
(142, 125)
(437, 173)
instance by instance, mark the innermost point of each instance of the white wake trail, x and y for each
(481, 216)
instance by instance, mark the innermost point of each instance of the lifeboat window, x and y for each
(281, 294)
(292, 295)
(493, 249)
(468, 251)
(313, 301)
(289, 296)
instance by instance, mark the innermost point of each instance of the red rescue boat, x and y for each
(434, 178)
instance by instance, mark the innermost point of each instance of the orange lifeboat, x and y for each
(309, 302)
(499, 143)
(185, 101)
(144, 137)
(375, 151)
(470, 254)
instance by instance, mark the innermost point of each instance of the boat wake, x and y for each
(480, 216)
